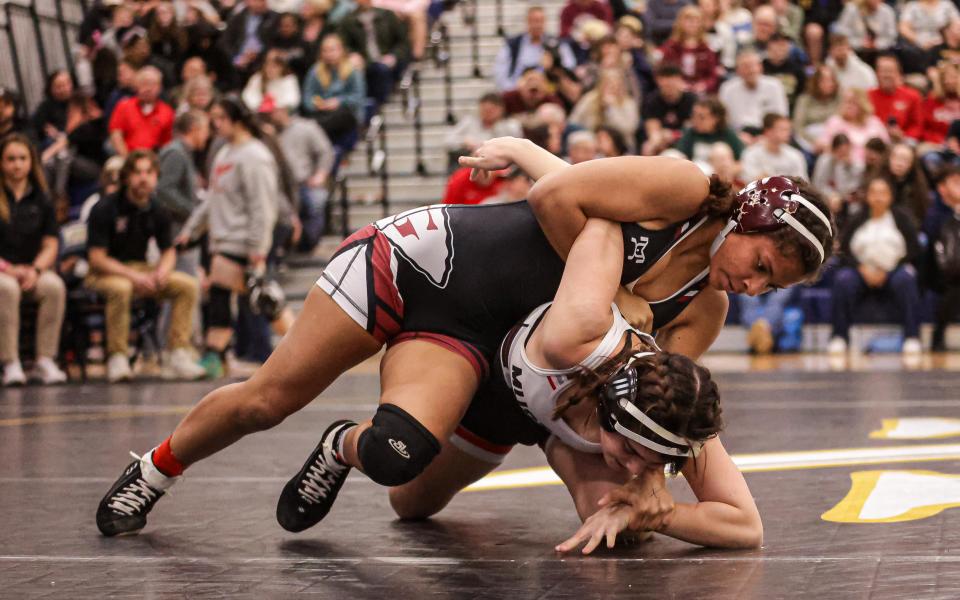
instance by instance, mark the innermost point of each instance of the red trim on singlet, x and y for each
(550, 381)
(481, 443)
(385, 324)
(464, 349)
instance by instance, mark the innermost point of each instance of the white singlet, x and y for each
(538, 389)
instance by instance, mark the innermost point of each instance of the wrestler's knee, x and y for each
(396, 448)
(414, 502)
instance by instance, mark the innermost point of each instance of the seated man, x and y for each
(119, 230)
(772, 154)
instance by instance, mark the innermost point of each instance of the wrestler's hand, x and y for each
(602, 525)
(651, 504)
(492, 155)
(635, 310)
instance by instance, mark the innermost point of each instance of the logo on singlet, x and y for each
(400, 447)
(638, 248)
(515, 381)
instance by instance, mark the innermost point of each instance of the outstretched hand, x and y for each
(492, 155)
(647, 496)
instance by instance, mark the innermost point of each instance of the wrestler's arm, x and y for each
(726, 515)
(653, 190)
(500, 153)
(697, 327)
(580, 315)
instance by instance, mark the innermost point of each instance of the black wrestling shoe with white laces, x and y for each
(308, 497)
(124, 509)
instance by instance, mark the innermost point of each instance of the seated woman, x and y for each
(334, 91)
(856, 120)
(708, 126)
(879, 246)
(687, 48)
(274, 81)
(603, 403)
(28, 251)
(610, 103)
(819, 101)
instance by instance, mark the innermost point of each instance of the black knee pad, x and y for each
(218, 311)
(396, 448)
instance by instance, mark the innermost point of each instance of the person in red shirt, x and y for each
(575, 8)
(687, 48)
(942, 105)
(900, 107)
(462, 190)
(532, 91)
(142, 122)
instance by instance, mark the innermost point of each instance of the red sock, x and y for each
(165, 461)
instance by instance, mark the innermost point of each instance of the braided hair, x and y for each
(674, 391)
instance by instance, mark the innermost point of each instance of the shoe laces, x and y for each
(319, 479)
(134, 496)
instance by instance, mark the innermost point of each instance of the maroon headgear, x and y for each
(768, 204)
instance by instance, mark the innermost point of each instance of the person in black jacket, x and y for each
(878, 248)
(246, 50)
(380, 37)
(941, 221)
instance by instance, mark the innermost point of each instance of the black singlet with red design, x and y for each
(473, 272)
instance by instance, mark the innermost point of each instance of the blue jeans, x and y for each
(768, 306)
(313, 216)
(900, 289)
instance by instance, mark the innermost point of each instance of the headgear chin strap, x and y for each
(617, 410)
(767, 205)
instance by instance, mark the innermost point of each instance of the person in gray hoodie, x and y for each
(239, 214)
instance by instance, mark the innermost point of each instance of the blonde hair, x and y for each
(860, 97)
(37, 179)
(677, 34)
(344, 69)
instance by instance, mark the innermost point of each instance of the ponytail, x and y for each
(719, 200)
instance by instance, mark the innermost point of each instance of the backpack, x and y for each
(946, 250)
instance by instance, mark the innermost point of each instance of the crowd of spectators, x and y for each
(191, 145)
(861, 97)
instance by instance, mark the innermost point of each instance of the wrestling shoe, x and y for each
(124, 509)
(308, 497)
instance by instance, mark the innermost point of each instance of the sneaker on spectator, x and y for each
(13, 373)
(760, 337)
(46, 371)
(837, 345)
(912, 346)
(180, 365)
(118, 368)
(212, 365)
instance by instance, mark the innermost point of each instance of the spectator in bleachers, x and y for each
(765, 25)
(667, 110)
(875, 154)
(461, 189)
(380, 39)
(751, 95)
(878, 247)
(514, 187)
(949, 50)
(896, 104)
(856, 120)
(921, 22)
(192, 68)
(789, 19)
(687, 48)
(772, 154)
(941, 106)
(202, 35)
(310, 157)
(610, 142)
(763, 315)
(119, 230)
(239, 214)
(178, 191)
(552, 120)
(819, 16)
(12, 119)
(869, 25)
(28, 254)
(836, 174)
(605, 54)
(942, 226)
(124, 87)
(122, 20)
(526, 50)
(719, 33)
(947, 155)
(168, 40)
(708, 126)
(629, 36)
(414, 14)
(725, 166)
(784, 66)
(198, 94)
(474, 129)
(289, 43)
(274, 81)
(566, 83)
(49, 119)
(660, 18)
(574, 10)
(316, 22)
(851, 71)
(819, 102)
(334, 92)
(136, 50)
(609, 103)
(532, 91)
(911, 192)
(740, 22)
(143, 122)
(581, 147)
(247, 36)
